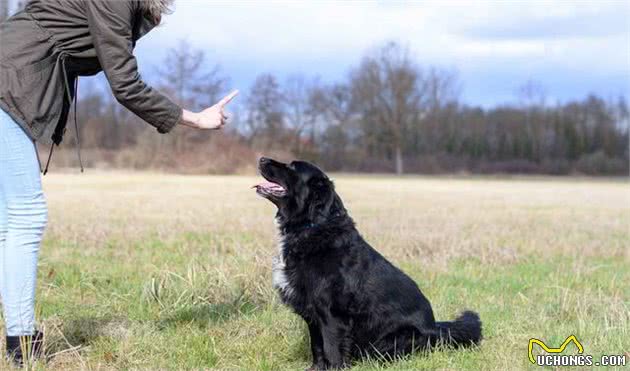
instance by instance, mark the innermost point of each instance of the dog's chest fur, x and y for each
(280, 277)
(292, 270)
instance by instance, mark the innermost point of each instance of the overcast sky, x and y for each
(571, 47)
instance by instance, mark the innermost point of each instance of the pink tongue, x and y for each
(269, 185)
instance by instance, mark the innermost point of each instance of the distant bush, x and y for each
(598, 163)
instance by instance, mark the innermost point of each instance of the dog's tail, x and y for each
(464, 331)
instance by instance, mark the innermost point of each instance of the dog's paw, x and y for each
(313, 368)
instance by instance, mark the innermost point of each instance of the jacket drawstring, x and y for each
(52, 147)
(62, 56)
(76, 126)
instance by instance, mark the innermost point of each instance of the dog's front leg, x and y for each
(317, 346)
(337, 344)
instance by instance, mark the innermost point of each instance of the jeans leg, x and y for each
(26, 217)
(3, 218)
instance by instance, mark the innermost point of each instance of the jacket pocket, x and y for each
(40, 97)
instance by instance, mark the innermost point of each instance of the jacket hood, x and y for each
(155, 8)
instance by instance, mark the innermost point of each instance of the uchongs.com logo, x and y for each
(557, 357)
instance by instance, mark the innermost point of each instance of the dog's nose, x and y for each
(264, 160)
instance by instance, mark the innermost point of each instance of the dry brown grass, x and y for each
(432, 219)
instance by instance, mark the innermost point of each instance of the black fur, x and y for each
(355, 302)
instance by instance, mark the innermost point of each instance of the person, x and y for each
(44, 48)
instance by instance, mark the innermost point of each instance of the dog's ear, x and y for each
(322, 200)
(337, 206)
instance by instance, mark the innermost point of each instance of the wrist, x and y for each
(190, 119)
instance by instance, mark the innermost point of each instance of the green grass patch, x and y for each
(176, 313)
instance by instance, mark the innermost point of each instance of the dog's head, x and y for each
(301, 191)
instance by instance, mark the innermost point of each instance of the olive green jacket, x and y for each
(46, 46)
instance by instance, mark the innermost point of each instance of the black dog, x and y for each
(355, 302)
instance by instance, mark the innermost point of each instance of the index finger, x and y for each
(228, 98)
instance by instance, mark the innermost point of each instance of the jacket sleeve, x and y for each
(110, 24)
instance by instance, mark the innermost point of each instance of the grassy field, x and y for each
(149, 271)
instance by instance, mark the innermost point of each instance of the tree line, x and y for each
(389, 114)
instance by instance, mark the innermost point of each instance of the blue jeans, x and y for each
(23, 217)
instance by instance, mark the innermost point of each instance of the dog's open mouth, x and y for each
(267, 188)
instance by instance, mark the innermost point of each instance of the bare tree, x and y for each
(386, 88)
(622, 113)
(265, 123)
(439, 93)
(531, 94)
(209, 88)
(335, 104)
(184, 76)
(180, 70)
(302, 111)
(441, 88)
